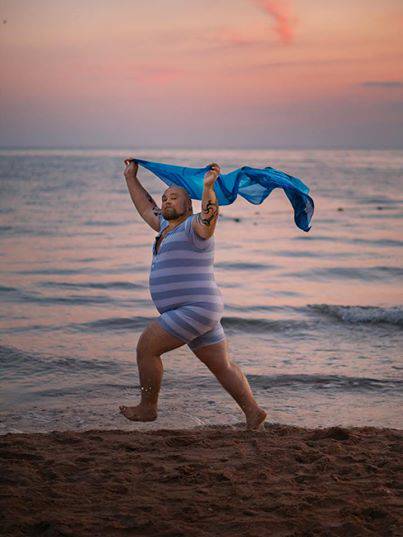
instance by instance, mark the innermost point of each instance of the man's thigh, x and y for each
(215, 356)
(155, 340)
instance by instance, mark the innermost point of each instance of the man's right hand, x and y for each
(131, 168)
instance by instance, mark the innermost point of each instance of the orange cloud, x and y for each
(281, 12)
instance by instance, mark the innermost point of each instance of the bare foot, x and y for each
(255, 419)
(138, 413)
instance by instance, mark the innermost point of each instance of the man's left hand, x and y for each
(212, 175)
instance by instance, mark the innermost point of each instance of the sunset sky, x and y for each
(202, 73)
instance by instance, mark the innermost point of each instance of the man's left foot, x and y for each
(138, 413)
(255, 419)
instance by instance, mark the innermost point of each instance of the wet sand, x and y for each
(218, 481)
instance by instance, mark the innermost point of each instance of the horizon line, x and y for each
(195, 148)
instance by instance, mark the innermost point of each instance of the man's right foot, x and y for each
(138, 413)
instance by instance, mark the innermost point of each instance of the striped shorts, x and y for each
(184, 323)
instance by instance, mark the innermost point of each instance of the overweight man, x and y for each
(186, 295)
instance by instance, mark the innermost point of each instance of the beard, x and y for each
(171, 214)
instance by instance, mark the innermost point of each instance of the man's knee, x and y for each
(217, 364)
(151, 342)
(155, 341)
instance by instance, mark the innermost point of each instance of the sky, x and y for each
(202, 73)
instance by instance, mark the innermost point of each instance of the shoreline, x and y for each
(209, 480)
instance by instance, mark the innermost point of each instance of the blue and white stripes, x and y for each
(183, 287)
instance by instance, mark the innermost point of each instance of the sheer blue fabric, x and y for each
(253, 184)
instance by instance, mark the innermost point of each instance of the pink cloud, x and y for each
(281, 12)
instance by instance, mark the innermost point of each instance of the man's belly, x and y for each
(191, 286)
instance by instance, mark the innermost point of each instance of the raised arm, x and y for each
(142, 200)
(204, 224)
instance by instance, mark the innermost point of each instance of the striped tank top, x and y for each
(182, 271)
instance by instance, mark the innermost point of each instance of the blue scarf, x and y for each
(253, 184)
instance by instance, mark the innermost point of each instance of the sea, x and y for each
(314, 319)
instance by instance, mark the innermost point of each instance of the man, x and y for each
(186, 295)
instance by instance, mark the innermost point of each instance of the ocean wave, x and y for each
(361, 314)
(15, 363)
(18, 295)
(14, 294)
(257, 325)
(325, 382)
(123, 269)
(93, 285)
(20, 230)
(262, 325)
(255, 307)
(103, 223)
(384, 242)
(312, 238)
(243, 265)
(254, 325)
(7, 289)
(112, 323)
(354, 273)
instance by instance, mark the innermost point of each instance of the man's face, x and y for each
(175, 203)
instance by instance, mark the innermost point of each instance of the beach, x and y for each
(215, 480)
